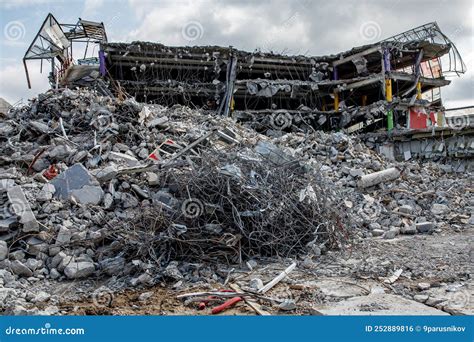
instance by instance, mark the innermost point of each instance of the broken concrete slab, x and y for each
(379, 304)
(75, 177)
(88, 194)
(19, 206)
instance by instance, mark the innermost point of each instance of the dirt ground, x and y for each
(442, 260)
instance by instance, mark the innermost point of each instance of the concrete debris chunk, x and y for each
(8, 224)
(439, 209)
(74, 178)
(287, 305)
(378, 177)
(107, 173)
(88, 194)
(46, 193)
(112, 266)
(77, 270)
(20, 269)
(123, 158)
(19, 206)
(424, 227)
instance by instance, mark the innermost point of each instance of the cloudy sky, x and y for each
(293, 27)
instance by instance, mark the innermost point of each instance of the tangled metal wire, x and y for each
(235, 205)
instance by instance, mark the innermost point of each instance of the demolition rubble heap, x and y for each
(95, 187)
(210, 191)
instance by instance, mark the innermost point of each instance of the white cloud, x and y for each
(13, 84)
(91, 7)
(8, 4)
(246, 25)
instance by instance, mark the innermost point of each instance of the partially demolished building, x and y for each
(221, 178)
(394, 84)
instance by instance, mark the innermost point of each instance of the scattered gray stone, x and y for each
(20, 269)
(424, 227)
(19, 206)
(408, 230)
(75, 177)
(49, 311)
(145, 296)
(378, 232)
(128, 200)
(356, 172)
(424, 286)
(8, 224)
(256, 283)
(375, 225)
(88, 194)
(421, 298)
(54, 274)
(392, 233)
(439, 209)
(61, 152)
(287, 305)
(142, 279)
(152, 178)
(64, 236)
(107, 173)
(41, 297)
(46, 193)
(108, 200)
(434, 301)
(36, 246)
(139, 191)
(112, 266)
(17, 255)
(76, 270)
(251, 264)
(171, 271)
(161, 122)
(124, 158)
(33, 264)
(406, 209)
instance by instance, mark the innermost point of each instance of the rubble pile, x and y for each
(420, 197)
(129, 194)
(93, 185)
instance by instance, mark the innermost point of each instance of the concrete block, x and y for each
(73, 178)
(19, 206)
